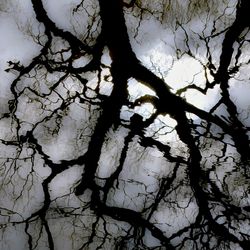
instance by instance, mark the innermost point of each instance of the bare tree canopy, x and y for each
(124, 124)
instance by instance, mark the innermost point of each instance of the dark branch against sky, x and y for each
(100, 151)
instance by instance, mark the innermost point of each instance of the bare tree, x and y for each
(100, 151)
